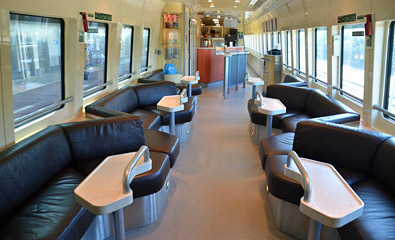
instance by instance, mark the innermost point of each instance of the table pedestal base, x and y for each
(119, 224)
(269, 123)
(254, 92)
(182, 131)
(314, 230)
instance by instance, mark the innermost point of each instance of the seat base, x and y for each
(183, 131)
(288, 218)
(257, 132)
(196, 103)
(142, 212)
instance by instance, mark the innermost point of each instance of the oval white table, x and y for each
(172, 104)
(190, 80)
(270, 107)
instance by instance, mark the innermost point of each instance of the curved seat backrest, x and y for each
(291, 97)
(151, 94)
(156, 75)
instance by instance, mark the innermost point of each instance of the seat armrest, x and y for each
(103, 112)
(293, 84)
(339, 118)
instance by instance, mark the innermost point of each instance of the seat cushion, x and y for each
(183, 116)
(143, 184)
(163, 142)
(51, 213)
(280, 144)
(378, 218)
(152, 93)
(289, 123)
(196, 88)
(150, 119)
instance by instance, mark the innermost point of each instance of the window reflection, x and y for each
(37, 62)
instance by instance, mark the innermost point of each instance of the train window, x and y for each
(301, 60)
(389, 96)
(352, 60)
(320, 55)
(267, 42)
(288, 56)
(125, 61)
(272, 40)
(279, 39)
(37, 52)
(144, 55)
(96, 57)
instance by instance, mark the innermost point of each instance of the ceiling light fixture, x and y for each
(212, 5)
(235, 6)
(210, 1)
(207, 15)
(237, 1)
(218, 16)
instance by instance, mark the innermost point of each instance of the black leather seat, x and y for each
(365, 159)
(302, 104)
(280, 144)
(39, 174)
(164, 143)
(141, 101)
(158, 75)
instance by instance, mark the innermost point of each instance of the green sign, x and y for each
(93, 30)
(360, 17)
(91, 15)
(103, 16)
(358, 34)
(347, 18)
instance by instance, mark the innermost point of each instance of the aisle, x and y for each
(217, 188)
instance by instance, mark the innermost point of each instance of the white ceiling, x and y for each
(224, 4)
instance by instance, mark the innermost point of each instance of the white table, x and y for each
(328, 199)
(189, 80)
(255, 81)
(107, 189)
(270, 107)
(171, 104)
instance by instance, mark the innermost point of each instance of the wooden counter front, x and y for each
(210, 65)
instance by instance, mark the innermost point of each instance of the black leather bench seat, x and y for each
(196, 88)
(150, 119)
(51, 213)
(164, 143)
(280, 144)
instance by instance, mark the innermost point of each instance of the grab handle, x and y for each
(261, 97)
(305, 175)
(128, 176)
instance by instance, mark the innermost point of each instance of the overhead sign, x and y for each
(103, 16)
(347, 18)
(358, 34)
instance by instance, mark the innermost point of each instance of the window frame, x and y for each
(62, 69)
(287, 45)
(147, 61)
(314, 77)
(105, 67)
(129, 75)
(388, 71)
(344, 93)
(297, 69)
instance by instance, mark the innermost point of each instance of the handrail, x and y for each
(183, 95)
(20, 120)
(383, 110)
(98, 87)
(305, 175)
(145, 68)
(349, 94)
(261, 97)
(126, 76)
(127, 175)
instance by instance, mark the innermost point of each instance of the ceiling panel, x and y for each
(224, 4)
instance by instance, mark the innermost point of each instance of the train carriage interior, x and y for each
(197, 119)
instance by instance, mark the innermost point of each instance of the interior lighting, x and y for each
(210, 1)
(218, 16)
(212, 5)
(237, 1)
(235, 6)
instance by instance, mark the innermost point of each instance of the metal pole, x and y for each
(119, 226)
(172, 123)
(253, 92)
(226, 77)
(269, 120)
(189, 90)
(314, 230)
